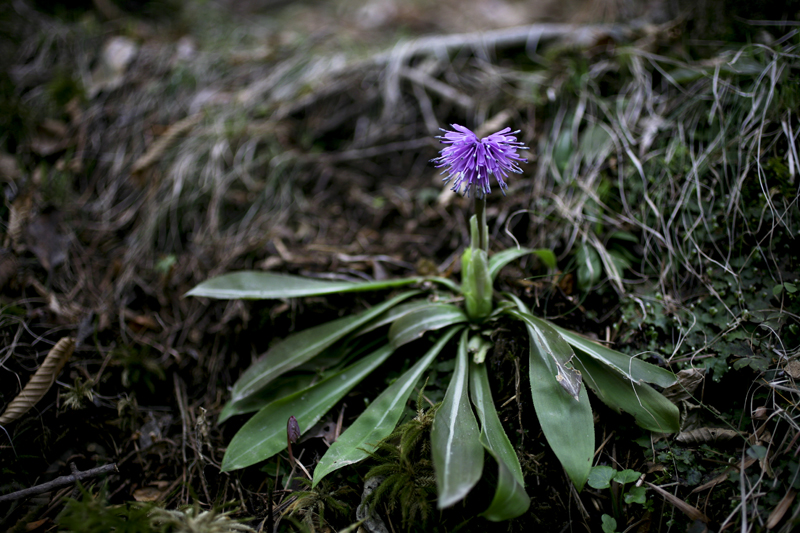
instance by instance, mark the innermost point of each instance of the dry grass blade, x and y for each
(777, 514)
(692, 512)
(724, 476)
(157, 149)
(41, 381)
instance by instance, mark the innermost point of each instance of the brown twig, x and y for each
(59, 482)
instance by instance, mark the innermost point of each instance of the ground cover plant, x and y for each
(143, 153)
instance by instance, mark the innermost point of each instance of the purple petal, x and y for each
(470, 162)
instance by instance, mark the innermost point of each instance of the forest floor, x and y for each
(146, 147)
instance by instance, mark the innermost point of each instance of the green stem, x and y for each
(483, 234)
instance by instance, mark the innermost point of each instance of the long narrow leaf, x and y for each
(379, 419)
(510, 499)
(650, 409)
(450, 284)
(394, 314)
(255, 285)
(501, 259)
(457, 451)
(288, 384)
(295, 350)
(632, 367)
(550, 344)
(414, 325)
(567, 424)
(264, 435)
(324, 365)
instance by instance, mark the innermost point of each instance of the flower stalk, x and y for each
(470, 161)
(476, 282)
(483, 234)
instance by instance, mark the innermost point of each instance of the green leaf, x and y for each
(636, 495)
(478, 347)
(288, 384)
(501, 259)
(450, 284)
(476, 283)
(547, 257)
(379, 419)
(627, 476)
(255, 285)
(791, 288)
(567, 424)
(394, 314)
(620, 262)
(414, 325)
(595, 144)
(295, 350)
(562, 152)
(590, 267)
(264, 435)
(324, 365)
(632, 367)
(456, 448)
(609, 524)
(549, 344)
(510, 499)
(650, 409)
(600, 477)
(624, 236)
(757, 452)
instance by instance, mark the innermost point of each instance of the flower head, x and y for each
(471, 161)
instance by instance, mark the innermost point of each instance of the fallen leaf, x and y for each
(45, 239)
(140, 322)
(700, 435)
(683, 389)
(18, 215)
(146, 494)
(777, 514)
(32, 526)
(793, 368)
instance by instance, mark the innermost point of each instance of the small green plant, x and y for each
(78, 394)
(193, 519)
(603, 477)
(94, 514)
(313, 503)
(559, 364)
(404, 463)
(139, 367)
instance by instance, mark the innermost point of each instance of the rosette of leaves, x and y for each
(466, 425)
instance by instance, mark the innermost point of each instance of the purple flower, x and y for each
(471, 161)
